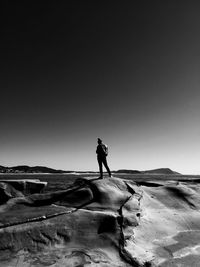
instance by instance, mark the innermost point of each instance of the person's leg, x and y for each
(100, 167)
(104, 160)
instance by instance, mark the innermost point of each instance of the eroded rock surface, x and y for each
(15, 188)
(103, 223)
(169, 230)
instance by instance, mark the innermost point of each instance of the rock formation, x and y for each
(18, 188)
(103, 223)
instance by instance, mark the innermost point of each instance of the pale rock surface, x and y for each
(103, 223)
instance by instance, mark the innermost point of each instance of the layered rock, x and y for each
(103, 223)
(18, 188)
(80, 226)
(169, 230)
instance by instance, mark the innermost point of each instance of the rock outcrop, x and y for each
(83, 225)
(18, 188)
(103, 223)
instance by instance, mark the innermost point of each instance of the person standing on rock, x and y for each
(102, 152)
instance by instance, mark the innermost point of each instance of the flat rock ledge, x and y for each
(103, 223)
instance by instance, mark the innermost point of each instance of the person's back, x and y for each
(102, 152)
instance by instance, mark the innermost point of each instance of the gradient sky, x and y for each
(125, 71)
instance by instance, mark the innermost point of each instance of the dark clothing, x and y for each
(103, 161)
(102, 152)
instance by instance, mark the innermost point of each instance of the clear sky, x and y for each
(125, 71)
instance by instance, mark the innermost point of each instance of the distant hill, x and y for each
(42, 169)
(127, 171)
(155, 171)
(161, 171)
(28, 169)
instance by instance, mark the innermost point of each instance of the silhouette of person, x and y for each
(102, 152)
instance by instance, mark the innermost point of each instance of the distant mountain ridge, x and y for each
(161, 171)
(154, 171)
(127, 171)
(42, 169)
(28, 169)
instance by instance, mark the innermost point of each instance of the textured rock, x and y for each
(80, 226)
(29, 186)
(8, 191)
(18, 188)
(103, 223)
(169, 228)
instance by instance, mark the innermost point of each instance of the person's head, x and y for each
(99, 141)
